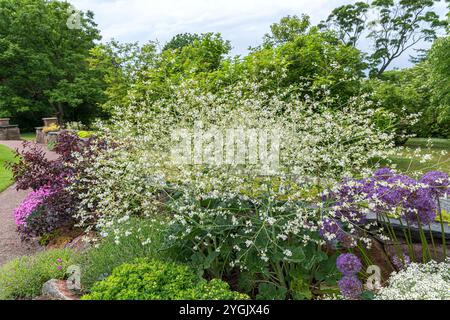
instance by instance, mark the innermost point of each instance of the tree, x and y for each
(308, 61)
(398, 26)
(349, 21)
(181, 40)
(122, 66)
(43, 67)
(287, 30)
(439, 61)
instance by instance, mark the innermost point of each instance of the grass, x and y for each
(411, 158)
(6, 156)
(424, 142)
(145, 241)
(29, 136)
(23, 277)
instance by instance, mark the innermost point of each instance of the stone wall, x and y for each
(8, 131)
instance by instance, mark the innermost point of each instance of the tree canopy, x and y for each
(43, 67)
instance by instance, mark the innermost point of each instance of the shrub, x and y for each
(156, 280)
(143, 238)
(24, 277)
(234, 218)
(51, 128)
(85, 134)
(50, 206)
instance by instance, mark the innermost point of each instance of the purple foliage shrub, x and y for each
(50, 206)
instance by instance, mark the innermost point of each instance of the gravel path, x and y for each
(10, 244)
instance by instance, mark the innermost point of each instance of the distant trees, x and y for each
(393, 26)
(43, 67)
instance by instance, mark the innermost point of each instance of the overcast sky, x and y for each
(243, 22)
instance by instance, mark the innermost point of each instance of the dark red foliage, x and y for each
(35, 171)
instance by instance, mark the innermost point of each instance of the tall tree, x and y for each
(349, 21)
(181, 40)
(287, 30)
(43, 66)
(397, 26)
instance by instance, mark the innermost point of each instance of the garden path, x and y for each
(10, 244)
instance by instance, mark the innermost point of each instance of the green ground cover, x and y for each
(6, 156)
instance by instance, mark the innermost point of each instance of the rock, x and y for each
(80, 243)
(57, 290)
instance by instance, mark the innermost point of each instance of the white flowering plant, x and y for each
(429, 281)
(229, 216)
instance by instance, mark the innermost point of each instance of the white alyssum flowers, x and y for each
(430, 281)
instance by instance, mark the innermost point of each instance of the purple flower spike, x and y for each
(348, 264)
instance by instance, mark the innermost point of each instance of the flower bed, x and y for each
(301, 230)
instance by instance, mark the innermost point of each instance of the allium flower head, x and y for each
(438, 181)
(351, 287)
(331, 229)
(348, 264)
(421, 206)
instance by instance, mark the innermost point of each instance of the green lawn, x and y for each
(411, 158)
(29, 136)
(6, 155)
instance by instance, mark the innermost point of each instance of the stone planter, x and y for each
(8, 131)
(51, 137)
(45, 138)
(4, 122)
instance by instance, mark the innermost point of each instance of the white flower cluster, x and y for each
(430, 281)
(322, 142)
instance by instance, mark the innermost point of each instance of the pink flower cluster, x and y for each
(29, 204)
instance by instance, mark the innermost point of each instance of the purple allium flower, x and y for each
(348, 264)
(400, 188)
(401, 262)
(351, 287)
(420, 206)
(383, 174)
(59, 268)
(438, 181)
(59, 260)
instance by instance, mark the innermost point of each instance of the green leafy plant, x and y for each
(23, 277)
(144, 239)
(85, 134)
(156, 280)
